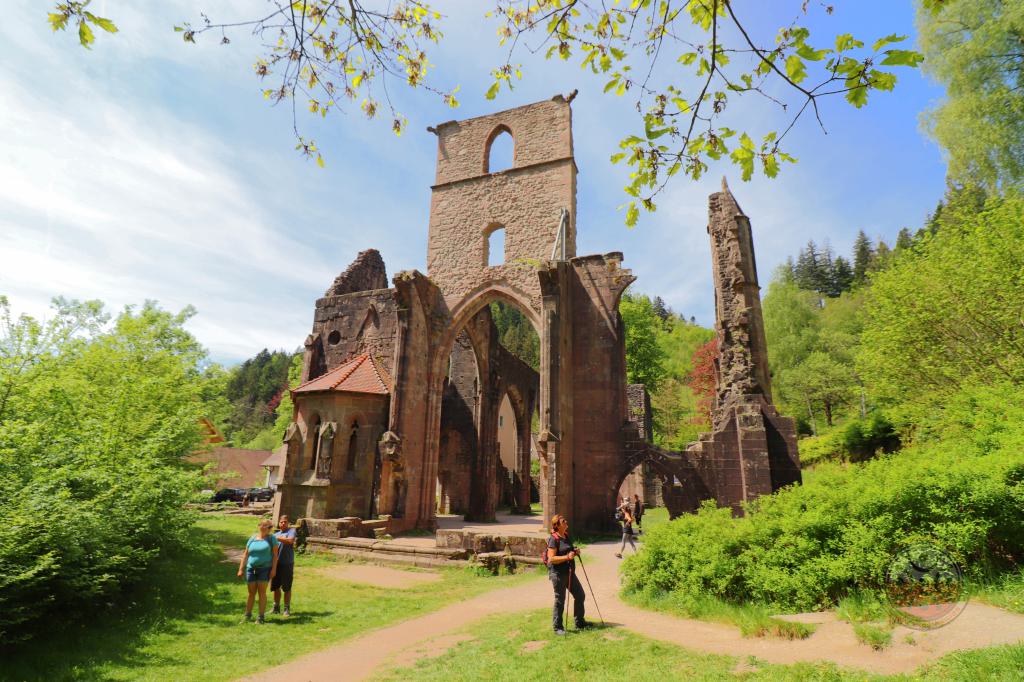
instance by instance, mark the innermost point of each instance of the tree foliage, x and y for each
(645, 359)
(685, 63)
(949, 313)
(254, 389)
(975, 48)
(96, 421)
(805, 547)
(678, 414)
(516, 333)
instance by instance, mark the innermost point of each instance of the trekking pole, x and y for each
(591, 587)
(568, 593)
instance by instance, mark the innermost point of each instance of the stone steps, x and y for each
(393, 553)
(399, 554)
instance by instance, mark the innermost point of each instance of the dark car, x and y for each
(229, 495)
(261, 494)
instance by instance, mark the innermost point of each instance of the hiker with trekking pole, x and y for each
(560, 559)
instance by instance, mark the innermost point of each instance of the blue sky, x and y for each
(151, 169)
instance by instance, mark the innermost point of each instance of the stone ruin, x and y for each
(396, 417)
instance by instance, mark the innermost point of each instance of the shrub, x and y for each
(95, 424)
(863, 438)
(805, 547)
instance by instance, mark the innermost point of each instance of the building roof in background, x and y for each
(235, 467)
(361, 374)
(277, 458)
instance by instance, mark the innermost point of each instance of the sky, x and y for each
(150, 169)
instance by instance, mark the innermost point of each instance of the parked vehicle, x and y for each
(261, 494)
(229, 495)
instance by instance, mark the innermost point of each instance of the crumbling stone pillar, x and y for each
(752, 450)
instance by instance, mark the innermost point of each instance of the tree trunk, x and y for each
(828, 413)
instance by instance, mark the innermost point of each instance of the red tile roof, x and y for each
(361, 374)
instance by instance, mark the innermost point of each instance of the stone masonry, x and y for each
(431, 341)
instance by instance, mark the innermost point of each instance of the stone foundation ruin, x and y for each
(397, 414)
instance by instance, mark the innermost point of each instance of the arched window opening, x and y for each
(350, 464)
(314, 434)
(494, 247)
(501, 153)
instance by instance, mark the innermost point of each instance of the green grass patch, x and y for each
(182, 623)
(752, 620)
(875, 636)
(521, 646)
(1006, 592)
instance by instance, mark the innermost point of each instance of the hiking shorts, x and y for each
(257, 574)
(283, 578)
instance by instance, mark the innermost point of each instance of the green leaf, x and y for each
(492, 91)
(632, 214)
(687, 58)
(847, 42)
(85, 34)
(618, 157)
(744, 158)
(795, 68)
(58, 22)
(858, 94)
(611, 84)
(810, 54)
(881, 42)
(902, 58)
(106, 24)
(881, 80)
(319, 160)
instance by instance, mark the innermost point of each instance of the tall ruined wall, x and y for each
(366, 273)
(353, 318)
(752, 449)
(743, 350)
(468, 202)
(598, 386)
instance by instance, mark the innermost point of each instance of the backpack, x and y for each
(544, 554)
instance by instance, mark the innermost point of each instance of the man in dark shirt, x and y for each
(282, 581)
(561, 555)
(638, 509)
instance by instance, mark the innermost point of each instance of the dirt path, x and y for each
(357, 658)
(978, 626)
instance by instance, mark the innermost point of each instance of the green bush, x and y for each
(805, 547)
(95, 424)
(864, 438)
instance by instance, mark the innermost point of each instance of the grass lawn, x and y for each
(521, 647)
(184, 622)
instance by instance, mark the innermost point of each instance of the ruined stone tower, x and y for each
(752, 450)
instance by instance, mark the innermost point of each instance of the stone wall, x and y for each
(366, 273)
(468, 203)
(335, 490)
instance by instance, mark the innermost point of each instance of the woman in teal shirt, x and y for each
(259, 563)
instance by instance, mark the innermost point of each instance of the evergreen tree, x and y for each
(842, 276)
(862, 255)
(882, 257)
(904, 240)
(660, 309)
(808, 273)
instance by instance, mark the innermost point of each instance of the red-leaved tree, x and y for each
(702, 380)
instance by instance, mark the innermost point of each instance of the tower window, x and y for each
(494, 247)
